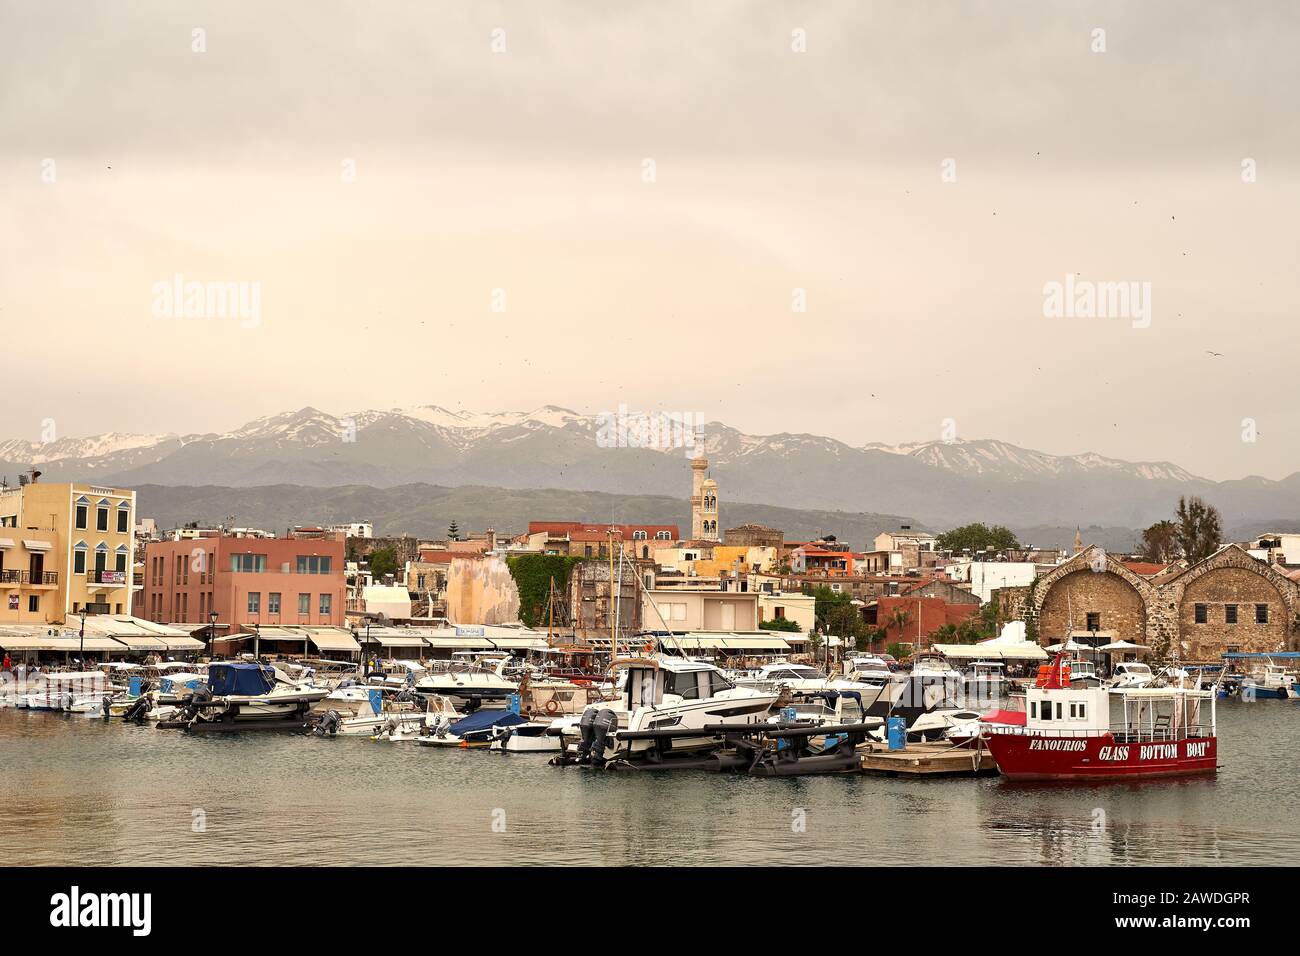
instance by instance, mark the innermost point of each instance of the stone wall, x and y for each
(1163, 615)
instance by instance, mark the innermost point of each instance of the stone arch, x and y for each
(1092, 582)
(1231, 576)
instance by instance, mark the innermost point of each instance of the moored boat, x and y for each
(1091, 733)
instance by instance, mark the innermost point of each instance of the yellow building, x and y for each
(65, 548)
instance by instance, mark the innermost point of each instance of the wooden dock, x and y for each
(927, 760)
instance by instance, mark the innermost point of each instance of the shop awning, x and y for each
(394, 640)
(33, 545)
(141, 642)
(333, 639)
(993, 651)
(728, 642)
(69, 645)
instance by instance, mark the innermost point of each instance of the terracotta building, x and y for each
(244, 581)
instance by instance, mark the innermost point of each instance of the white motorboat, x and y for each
(248, 691)
(391, 719)
(532, 737)
(800, 678)
(469, 685)
(661, 700)
(934, 665)
(1129, 674)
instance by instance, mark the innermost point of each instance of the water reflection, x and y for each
(79, 790)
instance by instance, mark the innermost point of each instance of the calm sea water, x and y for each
(80, 791)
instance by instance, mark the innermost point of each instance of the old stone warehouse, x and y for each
(1228, 602)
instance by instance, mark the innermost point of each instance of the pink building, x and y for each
(245, 581)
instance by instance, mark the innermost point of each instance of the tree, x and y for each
(453, 532)
(1199, 529)
(978, 537)
(383, 561)
(1160, 542)
(780, 624)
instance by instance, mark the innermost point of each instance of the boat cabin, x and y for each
(1131, 714)
(656, 683)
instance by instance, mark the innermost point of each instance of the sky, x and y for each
(841, 218)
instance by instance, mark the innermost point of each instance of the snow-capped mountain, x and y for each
(551, 447)
(989, 456)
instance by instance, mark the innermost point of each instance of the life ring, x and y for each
(552, 707)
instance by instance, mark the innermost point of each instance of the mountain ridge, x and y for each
(940, 482)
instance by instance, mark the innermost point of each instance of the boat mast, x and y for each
(613, 624)
(619, 606)
(550, 614)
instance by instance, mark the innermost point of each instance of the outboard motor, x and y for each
(138, 709)
(327, 725)
(587, 734)
(602, 729)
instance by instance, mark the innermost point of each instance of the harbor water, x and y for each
(81, 791)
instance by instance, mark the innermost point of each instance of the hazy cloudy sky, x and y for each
(127, 158)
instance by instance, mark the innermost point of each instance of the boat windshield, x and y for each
(695, 685)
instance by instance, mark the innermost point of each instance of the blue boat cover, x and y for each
(483, 719)
(241, 679)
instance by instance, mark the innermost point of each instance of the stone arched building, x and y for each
(1229, 601)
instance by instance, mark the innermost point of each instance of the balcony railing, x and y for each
(98, 576)
(27, 577)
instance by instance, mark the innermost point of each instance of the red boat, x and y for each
(1095, 733)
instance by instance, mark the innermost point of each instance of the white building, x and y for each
(356, 529)
(982, 578)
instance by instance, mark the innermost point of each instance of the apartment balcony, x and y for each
(41, 579)
(110, 578)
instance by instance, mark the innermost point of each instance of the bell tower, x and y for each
(704, 502)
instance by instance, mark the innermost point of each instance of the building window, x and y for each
(779, 613)
(81, 517)
(304, 603)
(1261, 613)
(638, 535)
(313, 564)
(33, 602)
(101, 518)
(1094, 621)
(325, 601)
(248, 563)
(120, 562)
(1202, 614)
(254, 602)
(273, 603)
(79, 560)
(1230, 613)
(123, 518)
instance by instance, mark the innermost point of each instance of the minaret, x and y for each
(699, 468)
(709, 509)
(1078, 540)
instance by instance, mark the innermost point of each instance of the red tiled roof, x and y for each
(1145, 568)
(592, 532)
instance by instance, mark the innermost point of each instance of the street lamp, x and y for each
(212, 630)
(82, 648)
